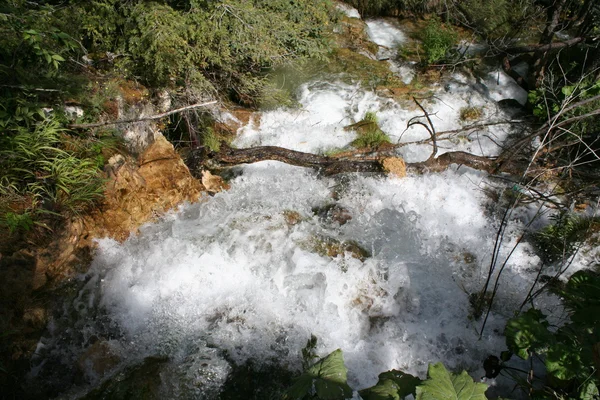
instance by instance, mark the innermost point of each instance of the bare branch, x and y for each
(150, 118)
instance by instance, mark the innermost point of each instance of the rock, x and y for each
(394, 166)
(330, 247)
(97, 360)
(333, 213)
(213, 183)
(142, 381)
(292, 217)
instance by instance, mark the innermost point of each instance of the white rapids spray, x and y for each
(233, 273)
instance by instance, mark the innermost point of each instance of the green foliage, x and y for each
(497, 19)
(210, 140)
(441, 384)
(33, 166)
(527, 333)
(438, 39)
(392, 385)
(559, 239)
(218, 44)
(16, 222)
(371, 116)
(371, 139)
(567, 352)
(326, 379)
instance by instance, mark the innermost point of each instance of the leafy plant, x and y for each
(16, 222)
(441, 384)
(569, 353)
(558, 240)
(438, 39)
(392, 385)
(326, 380)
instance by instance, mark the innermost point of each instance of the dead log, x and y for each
(202, 158)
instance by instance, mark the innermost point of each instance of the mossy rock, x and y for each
(369, 135)
(329, 247)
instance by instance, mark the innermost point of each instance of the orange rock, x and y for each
(213, 183)
(395, 166)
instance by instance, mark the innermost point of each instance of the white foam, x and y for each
(348, 10)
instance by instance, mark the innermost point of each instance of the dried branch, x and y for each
(150, 118)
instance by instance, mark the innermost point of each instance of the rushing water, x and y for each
(249, 275)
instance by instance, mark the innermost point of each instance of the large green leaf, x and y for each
(392, 385)
(564, 361)
(442, 385)
(327, 379)
(527, 332)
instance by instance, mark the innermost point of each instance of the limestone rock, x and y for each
(213, 183)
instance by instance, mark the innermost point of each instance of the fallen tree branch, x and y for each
(540, 48)
(202, 158)
(150, 118)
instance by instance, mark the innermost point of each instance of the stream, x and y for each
(380, 267)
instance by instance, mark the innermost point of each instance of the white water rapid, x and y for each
(243, 275)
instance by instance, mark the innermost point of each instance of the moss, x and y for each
(370, 136)
(470, 113)
(330, 247)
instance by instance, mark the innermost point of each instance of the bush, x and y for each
(438, 39)
(208, 45)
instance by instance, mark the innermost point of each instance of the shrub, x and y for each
(438, 39)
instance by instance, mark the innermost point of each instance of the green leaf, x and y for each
(442, 385)
(589, 391)
(567, 90)
(327, 379)
(527, 332)
(57, 57)
(392, 385)
(564, 362)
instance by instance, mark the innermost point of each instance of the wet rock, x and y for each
(98, 360)
(333, 213)
(35, 317)
(142, 381)
(330, 247)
